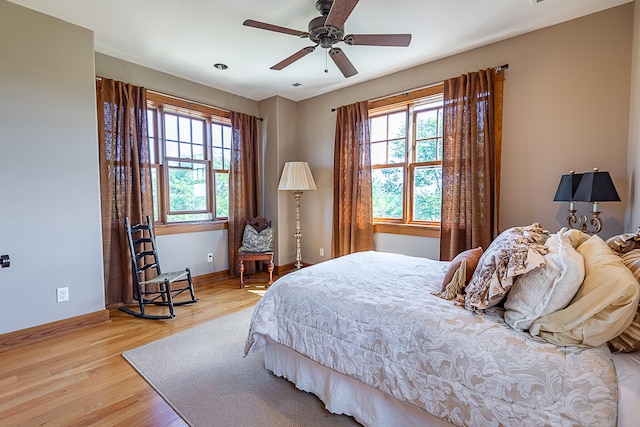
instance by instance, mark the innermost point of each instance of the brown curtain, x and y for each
(125, 178)
(352, 206)
(244, 190)
(472, 116)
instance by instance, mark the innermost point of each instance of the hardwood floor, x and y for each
(81, 379)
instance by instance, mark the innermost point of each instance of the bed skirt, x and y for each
(344, 395)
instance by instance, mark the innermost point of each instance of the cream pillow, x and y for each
(548, 288)
(576, 237)
(602, 308)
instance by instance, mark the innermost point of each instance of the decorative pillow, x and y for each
(624, 243)
(515, 251)
(548, 288)
(631, 259)
(454, 290)
(252, 241)
(603, 307)
(629, 339)
(471, 256)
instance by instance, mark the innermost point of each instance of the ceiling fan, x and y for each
(327, 30)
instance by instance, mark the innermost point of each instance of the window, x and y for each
(406, 160)
(190, 153)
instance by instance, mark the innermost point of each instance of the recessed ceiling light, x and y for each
(221, 66)
(296, 84)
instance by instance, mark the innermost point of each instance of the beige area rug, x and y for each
(203, 374)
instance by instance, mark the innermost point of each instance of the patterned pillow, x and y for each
(624, 243)
(516, 251)
(252, 241)
(629, 339)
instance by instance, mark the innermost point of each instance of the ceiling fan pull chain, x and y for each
(326, 61)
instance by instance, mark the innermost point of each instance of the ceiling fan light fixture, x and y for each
(220, 66)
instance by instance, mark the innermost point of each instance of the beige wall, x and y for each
(633, 157)
(110, 67)
(280, 145)
(50, 201)
(566, 107)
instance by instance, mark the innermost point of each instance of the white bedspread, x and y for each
(371, 316)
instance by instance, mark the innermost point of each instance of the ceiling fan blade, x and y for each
(400, 40)
(276, 28)
(339, 13)
(293, 58)
(343, 63)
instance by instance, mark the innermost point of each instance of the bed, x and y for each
(367, 335)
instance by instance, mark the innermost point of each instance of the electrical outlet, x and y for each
(321, 251)
(62, 294)
(209, 257)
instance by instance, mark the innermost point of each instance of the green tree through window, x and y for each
(190, 162)
(406, 158)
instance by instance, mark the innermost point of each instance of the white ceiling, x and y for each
(185, 38)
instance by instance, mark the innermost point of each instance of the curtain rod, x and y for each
(498, 69)
(98, 78)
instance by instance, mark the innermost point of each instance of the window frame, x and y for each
(160, 105)
(412, 102)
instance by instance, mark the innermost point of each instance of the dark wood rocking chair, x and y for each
(161, 288)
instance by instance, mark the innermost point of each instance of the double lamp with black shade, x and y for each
(593, 187)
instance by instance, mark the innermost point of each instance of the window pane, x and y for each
(378, 128)
(427, 201)
(197, 131)
(154, 190)
(151, 116)
(187, 186)
(427, 124)
(188, 217)
(198, 152)
(185, 151)
(226, 136)
(387, 187)
(397, 151)
(227, 158)
(172, 149)
(217, 158)
(397, 125)
(222, 195)
(427, 151)
(185, 129)
(378, 153)
(171, 127)
(216, 135)
(151, 133)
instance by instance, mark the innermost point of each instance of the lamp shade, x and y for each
(596, 186)
(568, 185)
(296, 176)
